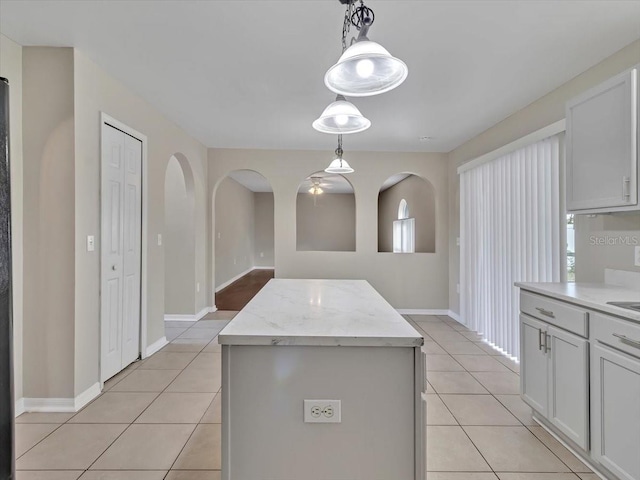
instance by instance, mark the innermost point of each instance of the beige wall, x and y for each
(406, 281)
(95, 92)
(49, 222)
(263, 214)
(545, 111)
(11, 69)
(420, 197)
(327, 224)
(179, 241)
(234, 227)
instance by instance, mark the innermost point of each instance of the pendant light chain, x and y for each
(346, 25)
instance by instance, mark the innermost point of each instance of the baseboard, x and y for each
(264, 268)
(237, 277)
(455, 316)
(421, 311)
(19, 407)
(85, 397)
(61, 405)
(155, 346)
(173, 317)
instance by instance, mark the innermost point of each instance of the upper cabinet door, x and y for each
(602, 153)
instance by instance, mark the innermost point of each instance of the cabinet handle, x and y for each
(540, 337)
(546, 313)
(547, 343)
(626, 183)
(635, 343)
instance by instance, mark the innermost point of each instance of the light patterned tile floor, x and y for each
(478, 428)
(160, 418)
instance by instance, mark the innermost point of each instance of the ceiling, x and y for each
(249, 74)
(331, 183)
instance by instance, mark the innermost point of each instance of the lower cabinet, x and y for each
(554, 377)
(615, 411)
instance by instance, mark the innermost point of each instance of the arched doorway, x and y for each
(243, 237)
(179, 240)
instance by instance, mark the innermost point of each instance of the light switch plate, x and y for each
(91, 243)
(637, 256)
(159, 239)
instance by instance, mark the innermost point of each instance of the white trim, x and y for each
(19, 407)
(155, 346)
(546, 132)
(61, 405)
(213, 309)
(85, 397)
(107, 119)
(421, 311)
(264, 268)
(171, 317)
(455, 316)
(237, 277)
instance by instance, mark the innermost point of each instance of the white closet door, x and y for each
(131, 249)
(120, 246)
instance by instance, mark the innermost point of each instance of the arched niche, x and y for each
(179, 237)
(407, 215)
(243, 230)
(325, 214)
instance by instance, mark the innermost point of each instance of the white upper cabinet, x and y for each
(602, 147)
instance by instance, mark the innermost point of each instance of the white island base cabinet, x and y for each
(264, 432)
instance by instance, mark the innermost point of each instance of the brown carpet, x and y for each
(238, 294)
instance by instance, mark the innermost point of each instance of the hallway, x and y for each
(239, 293)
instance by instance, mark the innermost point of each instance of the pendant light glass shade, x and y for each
(339, 165)
(365, 68)
(341, 117)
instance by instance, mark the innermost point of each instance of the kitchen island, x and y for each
(322, 379)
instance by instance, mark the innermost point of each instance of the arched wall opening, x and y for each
(325, 214)
(179, 238)
(407, 215)
(243, 237)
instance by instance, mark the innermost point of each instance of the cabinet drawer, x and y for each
(560, 314)
(621, 334)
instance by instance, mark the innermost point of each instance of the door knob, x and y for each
(114, 268)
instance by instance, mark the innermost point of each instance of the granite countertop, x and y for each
(319, 313)
(590, 295)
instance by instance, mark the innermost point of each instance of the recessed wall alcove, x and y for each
(407, 215)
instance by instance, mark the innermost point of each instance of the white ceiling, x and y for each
(250, 73)
(330, 183)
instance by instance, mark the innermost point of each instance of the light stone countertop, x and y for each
(590, 295)
(319, 313)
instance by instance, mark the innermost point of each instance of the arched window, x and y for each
(403, 210)
(404, 230)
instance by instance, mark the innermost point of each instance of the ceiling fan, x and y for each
(316, 186)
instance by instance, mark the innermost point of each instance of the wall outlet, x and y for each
(198, 287)
(91, 243)
(457, 288)
(458, 241)
(235, 261)
(322, 411)
(637, 256)
(159, 239)
(218, 235)
(261, 254)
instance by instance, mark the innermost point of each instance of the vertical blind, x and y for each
(510, 231)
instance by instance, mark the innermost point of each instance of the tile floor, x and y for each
(160, 418)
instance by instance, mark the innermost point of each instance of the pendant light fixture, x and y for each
(339, 164)
(341, 117)
(365, 68)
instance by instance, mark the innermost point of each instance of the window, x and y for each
(404, 231)
(571, 249)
